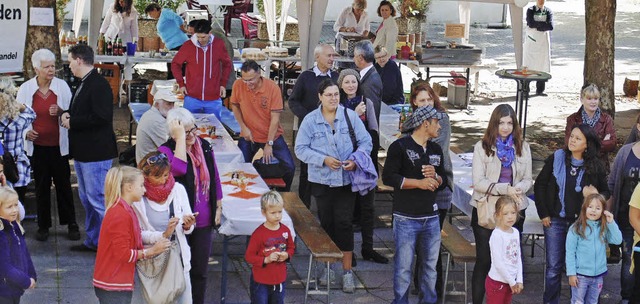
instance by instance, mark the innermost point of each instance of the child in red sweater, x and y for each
(271, 245)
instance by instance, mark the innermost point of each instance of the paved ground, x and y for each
(65, 277)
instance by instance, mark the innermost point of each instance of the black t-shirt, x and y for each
(572, 198)
(630, 178)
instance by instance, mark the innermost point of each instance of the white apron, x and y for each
(536, 51)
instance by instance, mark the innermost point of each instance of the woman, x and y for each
(163, 193)
(591, 114)
(193, 165)
(423, 95)
(47, 143)
(120, 245)
(568, 176)
(353, 19)
(623, 179)
(351, 97)
(504, 158)
(15, 118)
(387, 33)
(121, 21)
(322, 143)
(392, 88)
(537, 45)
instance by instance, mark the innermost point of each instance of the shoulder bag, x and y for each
(162, 276)
(352, 133)
(9, 162)
(486, 207)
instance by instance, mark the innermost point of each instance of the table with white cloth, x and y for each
(240, 217)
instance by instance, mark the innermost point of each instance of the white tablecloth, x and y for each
(243, 216)
(224, 147)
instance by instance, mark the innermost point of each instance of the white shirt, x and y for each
(505, 248)
(365, 70)
(125, 27)
(348, 19)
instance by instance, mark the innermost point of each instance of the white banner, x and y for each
(13, 30)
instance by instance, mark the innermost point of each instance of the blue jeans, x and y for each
(587, 291)
(195, 105)
(266, 294)
(554, 241)
(421, 237)
(280, 151)
(627, 278)
(91, 176)
(113, 297)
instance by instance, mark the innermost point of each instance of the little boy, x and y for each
(270, 246)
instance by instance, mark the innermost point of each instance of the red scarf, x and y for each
(159, 193)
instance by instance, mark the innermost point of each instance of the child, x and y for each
(16, 268)
(505, 277)
(120, 244)
(587, 249)
(271, 245)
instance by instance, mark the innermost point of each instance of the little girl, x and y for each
(587, 249)
(505, 277)
(16, 268)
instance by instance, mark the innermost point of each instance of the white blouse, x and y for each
(348, 19)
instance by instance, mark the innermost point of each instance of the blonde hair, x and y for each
(116, 178)
(9, 107)
(590, 91)
(504, 201)
(271, 199)
(7, 194)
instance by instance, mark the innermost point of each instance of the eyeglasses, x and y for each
(334, 95)
(192, 130)
(381, 57)
(157, 159)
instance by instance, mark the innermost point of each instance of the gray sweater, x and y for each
(616, 176)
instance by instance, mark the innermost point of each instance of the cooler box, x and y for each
(138, 91)
(457, 95)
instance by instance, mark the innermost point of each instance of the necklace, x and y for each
(574, 170)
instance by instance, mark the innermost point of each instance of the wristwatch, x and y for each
(270, 143)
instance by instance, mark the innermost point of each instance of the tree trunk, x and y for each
(42, 37)
(599, 52)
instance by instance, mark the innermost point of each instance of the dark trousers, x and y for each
(483, 255)
(10, 300)
(113, 297)
(304, 190)
(266, 294)
(366, 214)
(48, 164)
(335, 209)
(22, 194)
(635, 296)
(200, 242)
(540, 85)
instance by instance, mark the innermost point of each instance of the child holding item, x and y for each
(270, 246)
(505, 277)
(16, 268)
(586, 249)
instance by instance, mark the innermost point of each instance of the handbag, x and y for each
(271, 170)
(9, 162)
(486, 207)
(162, 277)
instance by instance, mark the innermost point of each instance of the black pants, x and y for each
(635, 296)
(335, 209)
(48, 164)
(483, 255)
(200, 242)
(365, 204)
(304, 190)
(10, 300)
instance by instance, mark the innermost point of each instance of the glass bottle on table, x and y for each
(109, 48)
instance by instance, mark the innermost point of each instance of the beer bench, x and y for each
(457, 247)
(308, 229)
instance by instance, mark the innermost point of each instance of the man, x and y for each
(92, 142)
(537, 46)
(152, 129)
(304, 99)
(259, 100)
(416, 227)
(169, 27)
(207, 69)
(364, 57)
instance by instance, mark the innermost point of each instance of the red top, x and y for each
(120, 240)
(262, 243)
(45, 124)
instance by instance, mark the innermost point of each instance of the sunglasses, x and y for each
(157, 159)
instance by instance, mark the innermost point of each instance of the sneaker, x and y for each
(74, 232)
(348, 285)
(42, 235)
(324, 278)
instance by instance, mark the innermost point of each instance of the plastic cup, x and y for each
(131, 48)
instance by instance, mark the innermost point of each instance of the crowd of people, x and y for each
(168, 206)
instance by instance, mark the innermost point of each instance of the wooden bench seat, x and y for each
(308, 229)
(275, 183)
(460, 250)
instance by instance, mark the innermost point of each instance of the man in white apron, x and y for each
(537, 47)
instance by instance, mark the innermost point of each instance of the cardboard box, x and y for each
(457, 96)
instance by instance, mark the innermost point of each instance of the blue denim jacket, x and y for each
(316, 140)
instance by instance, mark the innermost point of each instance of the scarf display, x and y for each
(159, 193)
(199, 167)
(505, 151)
(590, 121)
(560, 173)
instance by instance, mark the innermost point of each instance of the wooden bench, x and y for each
(308, 229)
(461, 250)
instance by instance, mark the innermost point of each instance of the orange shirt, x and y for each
(256, 107)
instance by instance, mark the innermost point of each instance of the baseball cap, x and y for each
(419, 116)
(165, 95)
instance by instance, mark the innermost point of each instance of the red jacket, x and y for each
(120, 240)
(603, 127)
(208, 68)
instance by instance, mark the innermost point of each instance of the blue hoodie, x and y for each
(588, 256)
